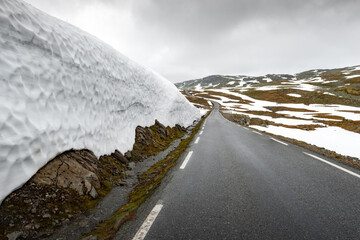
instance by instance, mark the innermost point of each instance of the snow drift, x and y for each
(62, 88)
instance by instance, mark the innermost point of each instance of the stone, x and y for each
(91, 237)
(93, 193)
(70, 170)
(14, 235)
(46, 215)
(128, 155)
(28, 226)
(118, 156)
(83, 223)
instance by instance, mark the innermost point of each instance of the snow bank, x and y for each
(62, 88)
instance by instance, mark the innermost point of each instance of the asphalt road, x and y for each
(242, 185)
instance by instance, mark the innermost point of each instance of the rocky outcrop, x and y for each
(73, 169)
(151, 140)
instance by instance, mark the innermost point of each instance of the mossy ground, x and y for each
(148, 182)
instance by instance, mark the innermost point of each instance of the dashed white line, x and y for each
(257, 132)
(197, 140)
(201, 132)
(183, 165)
(334, 165)
(145, 227)
(279, 141)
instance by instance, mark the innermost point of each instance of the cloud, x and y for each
(193, 38)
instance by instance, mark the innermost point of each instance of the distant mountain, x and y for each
(235, 81)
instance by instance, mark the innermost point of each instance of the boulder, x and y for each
(68, 172)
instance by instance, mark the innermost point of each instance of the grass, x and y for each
(148, 182)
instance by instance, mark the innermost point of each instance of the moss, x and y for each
(148, 182)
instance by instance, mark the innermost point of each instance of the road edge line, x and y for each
(183, 165)
(279, 141)
(334, 165)
(150, 219)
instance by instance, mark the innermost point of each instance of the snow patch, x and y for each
(332, 138)
(294, 95)
(352, 76)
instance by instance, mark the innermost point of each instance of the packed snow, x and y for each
(294, 95)
(62, 88)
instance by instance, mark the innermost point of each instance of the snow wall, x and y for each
(61, 88)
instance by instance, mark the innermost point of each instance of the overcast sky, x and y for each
(187, 39)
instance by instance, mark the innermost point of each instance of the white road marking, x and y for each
(245, 128)
(201, 132)
(145, 227)
(279, 141)
(197, 140)
(332, 164)
(183, 165)
(257, 132)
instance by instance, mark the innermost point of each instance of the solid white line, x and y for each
(334, 165)
(183, 165)
(279, 141)
(201, 132)
(257, 132)
(197, 140)
(145, 227)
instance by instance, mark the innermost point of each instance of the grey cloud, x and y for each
(187, 39)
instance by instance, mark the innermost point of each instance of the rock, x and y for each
(70, 170)
(46, 215)
(28, 226)
(93, 193)
(14, 235)
(83, 223)
(128, 155)
(161, 128)
(142, 136)
(91, 237)
(118, 156)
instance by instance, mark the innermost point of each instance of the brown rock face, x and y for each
(152, 140)
(71, 170)
(118, 155)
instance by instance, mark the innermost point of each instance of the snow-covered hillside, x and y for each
(62, 88)
(319, 107)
